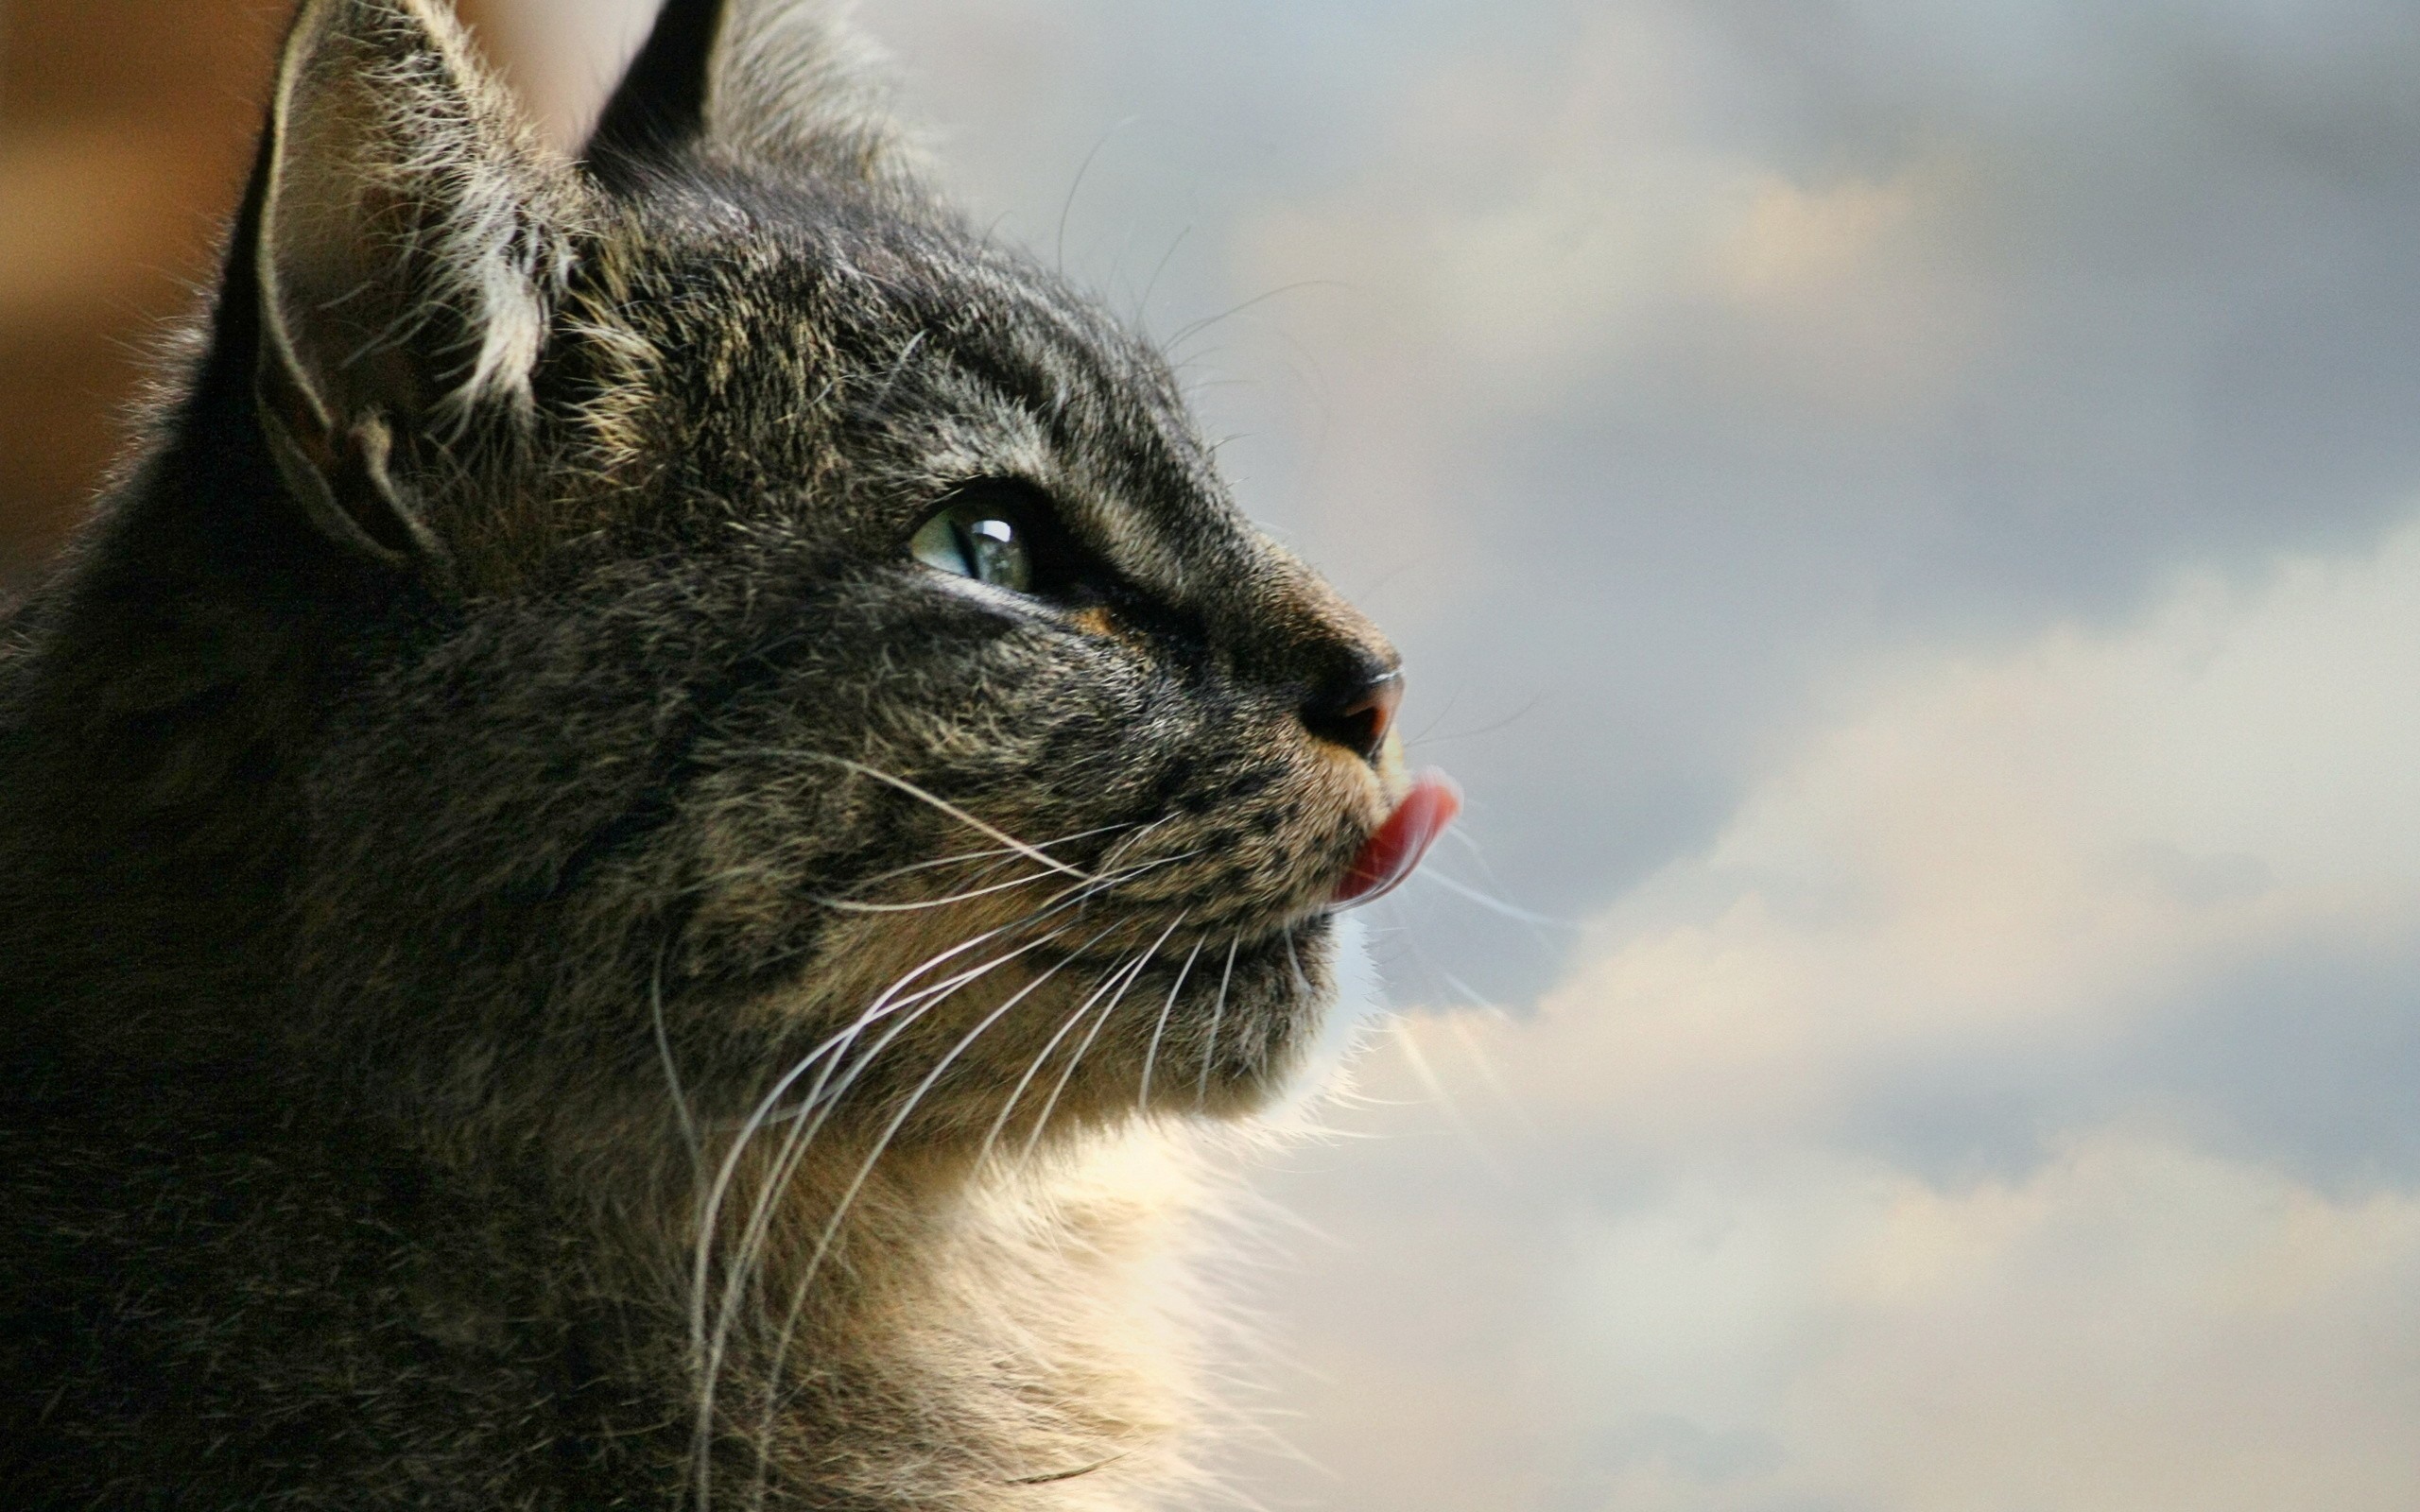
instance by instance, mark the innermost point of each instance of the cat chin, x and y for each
(1304, 1036)
(1309, 1045)
(1347, 1022)
(1199, 1034)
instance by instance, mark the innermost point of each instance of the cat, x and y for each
(638, 845)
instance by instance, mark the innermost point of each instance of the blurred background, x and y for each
(1906, 519)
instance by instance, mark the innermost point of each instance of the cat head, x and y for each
(789, 647)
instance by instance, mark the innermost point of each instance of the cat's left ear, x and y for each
(413, 238)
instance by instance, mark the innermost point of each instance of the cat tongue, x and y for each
(1389, 855)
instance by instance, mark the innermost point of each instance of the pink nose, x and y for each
(1396, 845)
(1359, 719)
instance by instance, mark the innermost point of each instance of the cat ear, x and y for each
(788, 83)
(660, 103)
(411, 238)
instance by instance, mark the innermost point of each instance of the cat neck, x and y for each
(935, 1330)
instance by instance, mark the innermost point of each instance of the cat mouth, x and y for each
(1395, 847)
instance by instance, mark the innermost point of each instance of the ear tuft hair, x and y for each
(413, 238)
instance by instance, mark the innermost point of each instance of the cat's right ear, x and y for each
(660, 104)
(788, 83)
(407, 240)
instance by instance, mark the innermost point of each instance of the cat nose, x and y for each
(1357, 711)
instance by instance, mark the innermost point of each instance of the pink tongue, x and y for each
(1390, 854)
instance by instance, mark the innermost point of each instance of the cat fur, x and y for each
(548, 963)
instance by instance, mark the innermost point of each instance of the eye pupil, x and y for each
(971, 542)
(991, 546)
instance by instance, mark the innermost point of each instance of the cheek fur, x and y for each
(706, 852)
(1153, 937)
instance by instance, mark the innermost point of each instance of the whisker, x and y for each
(707, 1359)
(1428, 736)
(851, 907)
(808, 1118)
(689, 1136)
(825, 1097)
(1073, 896)
(717, 877)
(1142, 1098)
(1032, 854)
(865, 1170)
(1142, 964)
(745, 1265)
(1076, 894)
(1187, 332)
(1487, 1072)
(992, 1135)
(710, 1344)
(1139, 870)
(1110, 857)
(1218, 1012)
(752, 1247)
(1493, 904)
(985, 856)
(1408, 1040)
(1143, 310)
(822, 1096)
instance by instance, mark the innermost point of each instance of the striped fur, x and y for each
(552, 965)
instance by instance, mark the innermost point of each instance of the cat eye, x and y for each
(978, 535)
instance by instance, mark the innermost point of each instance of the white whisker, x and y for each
(865, 1170)
(992, 1135)
(1218, 1012)
(1030, 852)
(1435, 1086)
(837, 1062)
(1142, 1098)
(1492, 904)
(1110, 858)
(994, 853)
(707, 1357)
(689, 1136)
(851, 907)
(751, 1248)
(1133, 974)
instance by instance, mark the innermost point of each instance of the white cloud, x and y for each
(1706, 1285)
(2134, 1327)
(2044, 846)
(1535, 222)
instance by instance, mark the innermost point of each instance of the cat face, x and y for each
(813, 662)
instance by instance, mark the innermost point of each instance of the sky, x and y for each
(1905, 519)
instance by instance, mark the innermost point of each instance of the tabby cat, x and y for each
(637, 847)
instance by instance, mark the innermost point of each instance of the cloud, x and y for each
(2041, 849)
(2136, 1325)
(2010, 1109)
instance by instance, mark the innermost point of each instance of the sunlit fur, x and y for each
(549, 963)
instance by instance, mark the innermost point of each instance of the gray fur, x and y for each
(795, 87)
(552, 964)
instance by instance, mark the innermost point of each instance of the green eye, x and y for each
(974, 541)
